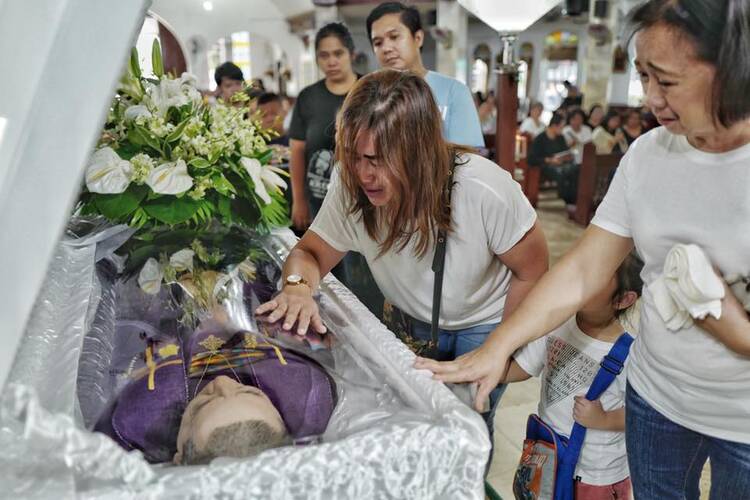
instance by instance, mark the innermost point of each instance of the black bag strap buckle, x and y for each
(612, 365)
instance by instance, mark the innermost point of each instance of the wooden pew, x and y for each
(593, 181)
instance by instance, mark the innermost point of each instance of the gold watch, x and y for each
(295, 280)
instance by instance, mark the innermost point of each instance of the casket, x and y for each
(410, 438)
(395, 432)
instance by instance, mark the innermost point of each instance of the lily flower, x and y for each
(170, 178)
(264, 178)
(107, 173)
(137, 111)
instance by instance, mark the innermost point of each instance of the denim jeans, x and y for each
(666, 459)
(458, 342)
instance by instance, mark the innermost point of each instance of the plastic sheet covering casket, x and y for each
(395, 433)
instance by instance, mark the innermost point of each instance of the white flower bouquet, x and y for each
(190, 178)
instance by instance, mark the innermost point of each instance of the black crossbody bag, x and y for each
(429, 348)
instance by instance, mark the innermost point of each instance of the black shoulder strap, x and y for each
(438, 266)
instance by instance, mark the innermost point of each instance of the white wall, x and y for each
(262, 18)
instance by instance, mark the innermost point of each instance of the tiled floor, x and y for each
(521, 399)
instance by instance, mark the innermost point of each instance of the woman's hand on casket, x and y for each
(486, 366)
(294, 304)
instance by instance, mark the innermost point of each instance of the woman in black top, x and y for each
(313, 128)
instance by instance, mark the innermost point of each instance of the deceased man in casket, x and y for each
(227, 394)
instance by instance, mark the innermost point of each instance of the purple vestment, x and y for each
(147, 412)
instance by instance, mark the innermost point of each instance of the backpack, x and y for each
(548, 462)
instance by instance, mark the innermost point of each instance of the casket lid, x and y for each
(61, 60)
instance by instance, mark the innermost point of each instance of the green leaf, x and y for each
(225, 209)
(245, 212)
(222, 185)
(147, 137)
(135, 67)
(199, 163)
(156, 61)
(177, 132)
(172, 210)
(265, 157)
(117, 206)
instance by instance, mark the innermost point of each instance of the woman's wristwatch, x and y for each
(296, 280)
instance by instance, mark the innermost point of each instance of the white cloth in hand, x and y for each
(688, 289)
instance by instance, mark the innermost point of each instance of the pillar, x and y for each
(452, 31)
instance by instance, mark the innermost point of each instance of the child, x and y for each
(568, 359)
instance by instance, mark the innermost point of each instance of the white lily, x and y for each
(182, 260)
(170, 178)
(264, 177)
(149, 279)
(137, 111)
(165, 94)
(107, 173)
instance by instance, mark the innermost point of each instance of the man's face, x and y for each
(272, 116)
(394, 45)
(223, 402)
(229, 87)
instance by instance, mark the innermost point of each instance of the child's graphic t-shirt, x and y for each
(567, 360)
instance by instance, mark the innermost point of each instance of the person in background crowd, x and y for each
(399, 183)
(688, 393)
(229, 80)
(649, 121)
(550, 151)
(312, 131)
(596, 115)
(577, 133)
(573, 96)
(608, 137)
(396, 34)
(632, 128)
(488, 113)
(272, 111)
(533, 123)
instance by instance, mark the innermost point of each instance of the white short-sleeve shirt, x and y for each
(568, 360)
(667, 192)
(490, 215)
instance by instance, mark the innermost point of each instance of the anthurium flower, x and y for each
(264, 178)
(137, 111)
(170, 178)
(107, 173)
(149, 279)
(182, 260)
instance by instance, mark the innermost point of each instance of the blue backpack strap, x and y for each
(611, 366)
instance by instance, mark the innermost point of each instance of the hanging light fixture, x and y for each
(208, 6)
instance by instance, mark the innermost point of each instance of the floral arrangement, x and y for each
(187, 176)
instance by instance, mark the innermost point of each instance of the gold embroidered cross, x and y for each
(212, 343)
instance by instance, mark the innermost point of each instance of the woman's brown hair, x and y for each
(398, 109)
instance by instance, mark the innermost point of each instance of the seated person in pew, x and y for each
(227, 394)
(549, 151)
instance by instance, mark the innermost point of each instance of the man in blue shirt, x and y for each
(396, 34)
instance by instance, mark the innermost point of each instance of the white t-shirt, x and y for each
(667, 192)
(568, 360)
(490, 215)
(581, 137)
(530, 126)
